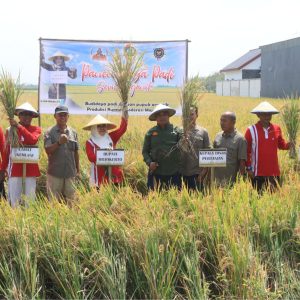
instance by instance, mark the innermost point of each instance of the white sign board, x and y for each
(212, 158)
(25, 155)
(110, 157)
(59, 77)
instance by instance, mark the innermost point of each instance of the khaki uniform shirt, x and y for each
(190, 161)
(61, 163)
(236, 146)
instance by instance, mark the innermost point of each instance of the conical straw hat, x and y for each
(264, 107)
(26, 107)
(159, 108)
(99, 120)
(57, 54)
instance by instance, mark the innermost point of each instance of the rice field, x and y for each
(123, 243)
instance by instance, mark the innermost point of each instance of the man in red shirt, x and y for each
(2, 172)
(28, 136)
(264, 139)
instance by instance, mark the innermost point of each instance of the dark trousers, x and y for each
(192, 183)
(262, 183)
(2, 190)
(163, 181)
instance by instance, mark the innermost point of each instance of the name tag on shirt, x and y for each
(110, 157)
(213, 157)
(25, 155)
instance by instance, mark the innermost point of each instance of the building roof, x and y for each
(243, 61)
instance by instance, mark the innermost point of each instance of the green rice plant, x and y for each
(10, 92)
(290, 114)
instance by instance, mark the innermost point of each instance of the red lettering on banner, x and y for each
(141, 74)
(157, 73)
(87, 72)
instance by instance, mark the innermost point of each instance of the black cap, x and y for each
(61, 109)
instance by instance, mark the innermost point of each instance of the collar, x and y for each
(260, 125)
(231, 134)
(168, 126)
(58, 129)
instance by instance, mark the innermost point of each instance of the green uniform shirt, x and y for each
(160, 145)
(236, 146)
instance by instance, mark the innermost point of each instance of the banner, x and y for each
(74, 73)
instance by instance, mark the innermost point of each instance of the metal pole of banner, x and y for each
(39, 118)
(187, 60)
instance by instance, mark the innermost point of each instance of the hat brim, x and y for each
(66, 58)
(108, 126)
(62, 111)
(265, 112)
(153, 115)
(34, 114)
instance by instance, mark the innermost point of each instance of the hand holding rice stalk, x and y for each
(189, 99)
(10, 91)
(123, 69)
(291, 119)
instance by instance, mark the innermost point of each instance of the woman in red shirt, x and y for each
(101, 139)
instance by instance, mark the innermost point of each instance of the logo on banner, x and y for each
(159, 53)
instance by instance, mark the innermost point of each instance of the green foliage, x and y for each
(291, 118)
(10, 92)
(116, 244)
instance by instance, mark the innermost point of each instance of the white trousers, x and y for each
(15, 190)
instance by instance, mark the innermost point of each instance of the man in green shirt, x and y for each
(236, 146)
(160, 150)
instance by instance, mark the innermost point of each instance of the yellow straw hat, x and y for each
(99, 120)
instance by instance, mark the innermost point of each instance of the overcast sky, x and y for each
(220, 31)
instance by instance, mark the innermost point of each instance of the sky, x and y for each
(220, 31)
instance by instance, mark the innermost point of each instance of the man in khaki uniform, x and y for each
(236, 146)
(193, 175)
(61, 145)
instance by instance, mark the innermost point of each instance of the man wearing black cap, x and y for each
(61, 145)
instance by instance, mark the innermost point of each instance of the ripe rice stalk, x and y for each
(290, 114)
(124, 68)
(189, 98)
(10, 92)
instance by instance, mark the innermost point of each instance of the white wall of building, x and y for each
(241, 88)
(233, 75)
(237, 74)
